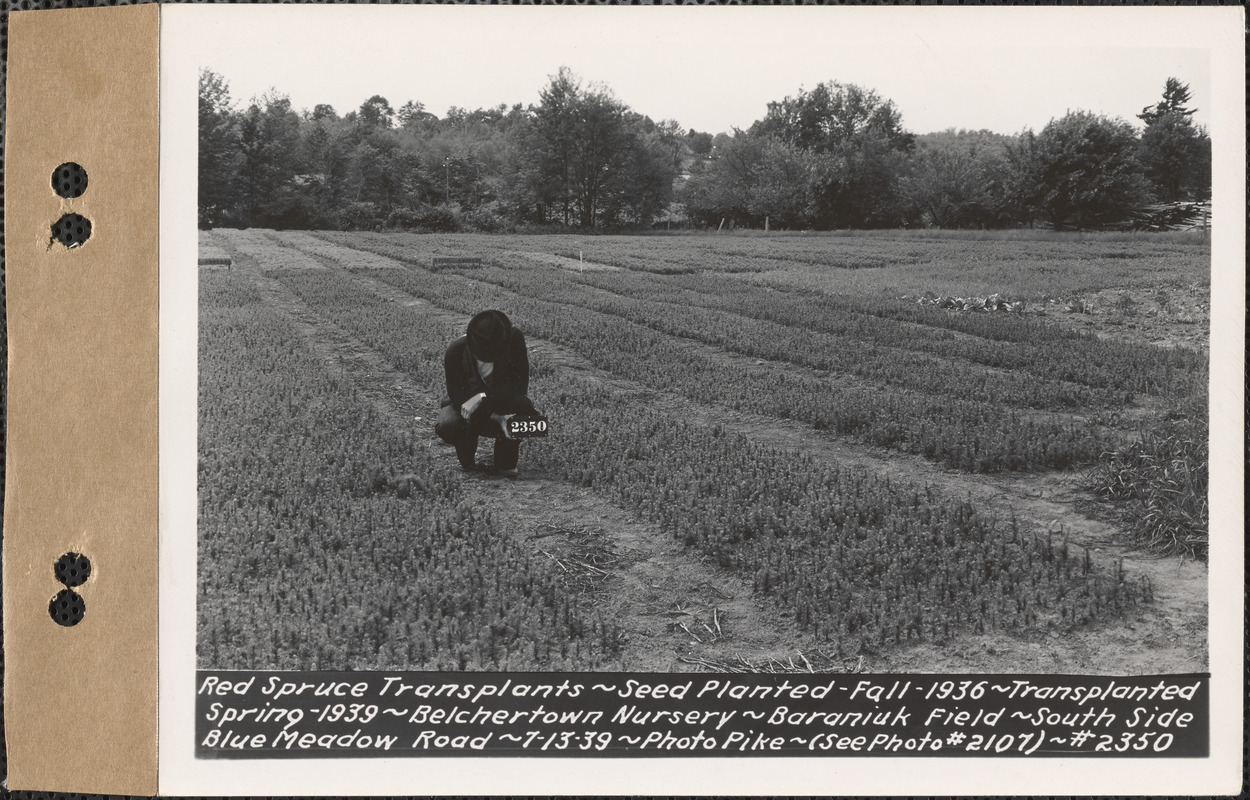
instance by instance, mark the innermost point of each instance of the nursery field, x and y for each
(907, 452)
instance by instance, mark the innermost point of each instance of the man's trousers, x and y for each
(453, 429)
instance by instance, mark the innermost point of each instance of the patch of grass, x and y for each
(1160, 484)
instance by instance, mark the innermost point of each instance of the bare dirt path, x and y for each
(1166, 316)
(675, 609)
(1171, 636)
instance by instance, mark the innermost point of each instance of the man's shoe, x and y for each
(465, 452)
(509, 473)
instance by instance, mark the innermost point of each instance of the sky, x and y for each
(1003, 69)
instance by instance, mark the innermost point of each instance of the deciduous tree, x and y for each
(376, 112)
(324, 111)
(1087, 171)
(957, 179)
(413, 114)
(586, 141)
(861, 148)
(752, 178)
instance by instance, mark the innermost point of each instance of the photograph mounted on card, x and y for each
(809, 492)
(667, 392)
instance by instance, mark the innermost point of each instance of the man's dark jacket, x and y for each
(509, 382)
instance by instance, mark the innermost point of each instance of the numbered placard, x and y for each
(526, 426)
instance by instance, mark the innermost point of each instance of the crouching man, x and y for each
(488, 375)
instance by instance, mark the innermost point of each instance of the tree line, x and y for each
(835, 156)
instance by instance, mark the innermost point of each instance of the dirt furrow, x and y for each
(673, 608)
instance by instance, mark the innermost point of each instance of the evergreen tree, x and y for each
(555, 120)
(1176, 153)
(218, 151)
(269, 144)
(1177, 158)
(1175, 96)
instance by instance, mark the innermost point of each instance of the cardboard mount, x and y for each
(80, 701)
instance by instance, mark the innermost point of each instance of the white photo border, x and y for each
(189, 35)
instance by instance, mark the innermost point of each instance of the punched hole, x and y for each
(72, 569)
(71, 230)
(67, 608)
(69, 180)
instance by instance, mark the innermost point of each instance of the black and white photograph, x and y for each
(782, 344)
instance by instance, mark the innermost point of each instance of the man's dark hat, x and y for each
(488, 335)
